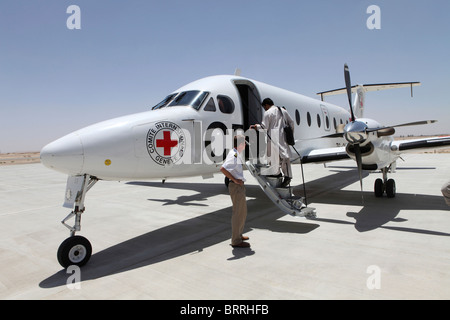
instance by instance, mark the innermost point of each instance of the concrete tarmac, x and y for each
(171, 241)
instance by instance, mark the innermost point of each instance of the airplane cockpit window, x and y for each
(192, 98)
(226, 105)
(210, 106)
(165, 102)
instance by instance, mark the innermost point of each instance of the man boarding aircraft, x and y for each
(189, 132)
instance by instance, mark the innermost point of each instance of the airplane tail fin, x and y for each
(358, 104)
(360, 90)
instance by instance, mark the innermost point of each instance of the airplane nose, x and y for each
(64, 155)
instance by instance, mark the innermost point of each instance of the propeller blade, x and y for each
(359, 163)
(334, 135)
(348, 85)
(417, 123)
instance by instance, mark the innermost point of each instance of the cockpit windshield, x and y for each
(165, 102)
(189, 98)
(192, 98)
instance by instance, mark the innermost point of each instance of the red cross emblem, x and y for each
(162, 148)
(167, 143)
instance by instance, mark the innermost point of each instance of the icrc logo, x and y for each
(166, 143)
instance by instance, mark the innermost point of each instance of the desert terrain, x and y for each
(19, 158)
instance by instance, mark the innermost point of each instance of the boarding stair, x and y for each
(283, 198)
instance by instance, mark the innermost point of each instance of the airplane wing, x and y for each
(399, 146)
(426, 143)
(325, 155)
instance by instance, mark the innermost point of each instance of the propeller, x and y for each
(355, 132)
(359, 164)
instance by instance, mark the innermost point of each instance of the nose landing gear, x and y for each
(76, 250)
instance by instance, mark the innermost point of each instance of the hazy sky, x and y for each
(128, 55)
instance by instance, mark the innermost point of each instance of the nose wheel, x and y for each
(75, 250)
(385, 185)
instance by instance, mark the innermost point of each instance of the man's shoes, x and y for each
(285, 183)
(241, 245)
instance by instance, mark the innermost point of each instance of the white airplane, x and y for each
(187, 134)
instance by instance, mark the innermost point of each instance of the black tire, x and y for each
(378, 188)
(75, 250)
(390, 188)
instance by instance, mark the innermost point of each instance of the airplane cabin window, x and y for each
(192, 98)
(210, 106)
(297, 117)
(308, 117)
(318, 121)
(165, 102)
(226, 105)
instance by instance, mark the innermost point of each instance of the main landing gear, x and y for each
(385, 185)
(76, 250)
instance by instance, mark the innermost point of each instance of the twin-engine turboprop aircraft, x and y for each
(191, 130)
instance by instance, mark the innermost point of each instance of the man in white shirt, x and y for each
(232, 169)
(278, 151)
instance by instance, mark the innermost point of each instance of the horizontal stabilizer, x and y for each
(371, 87)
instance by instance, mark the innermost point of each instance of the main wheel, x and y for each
(75, 250)
(390, 188)
(378, 188)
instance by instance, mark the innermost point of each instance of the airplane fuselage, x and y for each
(184, 134)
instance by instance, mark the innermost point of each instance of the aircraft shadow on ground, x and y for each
(198, 233)
(188, 236)
(372, 215)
